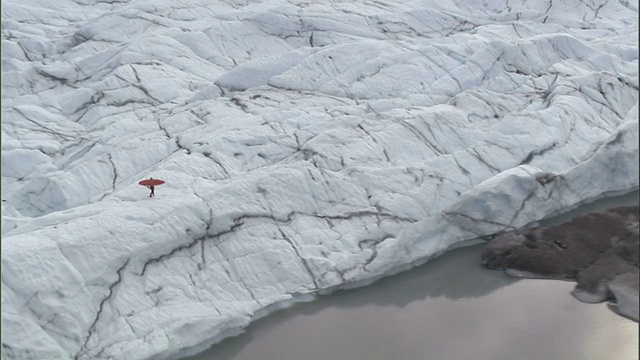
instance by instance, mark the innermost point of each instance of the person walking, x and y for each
(151, 184)
(152, 188)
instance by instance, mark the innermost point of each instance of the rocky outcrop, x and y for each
(599, 251)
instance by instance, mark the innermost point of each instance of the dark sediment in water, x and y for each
(599, 251)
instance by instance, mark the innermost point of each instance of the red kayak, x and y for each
(151, 182)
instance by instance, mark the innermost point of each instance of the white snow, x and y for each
(306, 146)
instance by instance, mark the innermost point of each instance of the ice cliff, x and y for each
(306, 145)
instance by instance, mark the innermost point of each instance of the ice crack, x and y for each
(92, 328)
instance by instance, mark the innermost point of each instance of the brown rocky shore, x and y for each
(599, 251)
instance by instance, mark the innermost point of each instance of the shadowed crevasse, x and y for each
(598, 250)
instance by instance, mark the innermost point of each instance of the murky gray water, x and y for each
(449, 308)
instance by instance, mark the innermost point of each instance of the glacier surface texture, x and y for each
(306, 146)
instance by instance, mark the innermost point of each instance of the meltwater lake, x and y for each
(449, 308)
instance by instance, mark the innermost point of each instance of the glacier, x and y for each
(307, 146)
